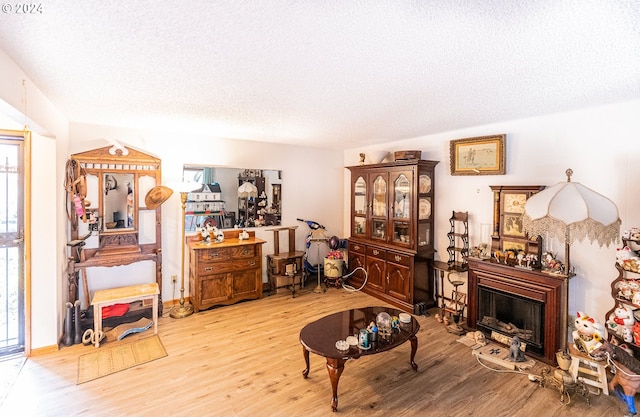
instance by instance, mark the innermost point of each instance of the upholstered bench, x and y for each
(111, 296)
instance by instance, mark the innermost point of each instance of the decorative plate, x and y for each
(424, 184)
(424, 209)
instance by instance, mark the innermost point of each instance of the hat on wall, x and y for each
(156, 196)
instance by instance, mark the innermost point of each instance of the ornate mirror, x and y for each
(233, 197)
(118, 228)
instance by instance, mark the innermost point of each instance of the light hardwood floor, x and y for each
(246, 360)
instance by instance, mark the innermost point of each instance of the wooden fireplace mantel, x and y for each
(547, 288)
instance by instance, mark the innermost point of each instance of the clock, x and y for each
(514, 203)
(508, 210)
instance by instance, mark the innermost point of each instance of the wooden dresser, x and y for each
(226, 272)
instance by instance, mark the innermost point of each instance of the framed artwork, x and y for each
(512, 225)
(514, 246)
(483, 155)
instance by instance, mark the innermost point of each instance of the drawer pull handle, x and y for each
(375, 252)
(208, 269)
(252, 263)
(215, 254)
(356, 247)
(246, 252)
(398, 258)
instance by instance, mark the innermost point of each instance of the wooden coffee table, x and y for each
(320, 337)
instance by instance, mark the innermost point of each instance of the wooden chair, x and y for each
(285, 269)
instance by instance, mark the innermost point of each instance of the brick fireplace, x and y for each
(503, 298)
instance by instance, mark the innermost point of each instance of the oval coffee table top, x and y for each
(320, 336)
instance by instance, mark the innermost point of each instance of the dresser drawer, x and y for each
(374, 252)
(399, 258)
(217, 254)
(246, 251)
(219, 267)
(357, 247)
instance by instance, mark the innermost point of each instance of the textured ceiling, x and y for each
(340, 73)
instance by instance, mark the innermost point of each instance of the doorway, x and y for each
(12, 271)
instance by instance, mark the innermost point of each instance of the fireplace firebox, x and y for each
(511, 315)
(506, 300)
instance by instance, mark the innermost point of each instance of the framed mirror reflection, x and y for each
(119, 201)
(233, 197)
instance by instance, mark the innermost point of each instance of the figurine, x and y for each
(589, 333)
(217, 234)
(621, 317)
(627, 259)
(480, 338)
(515, 353)
(206, 236)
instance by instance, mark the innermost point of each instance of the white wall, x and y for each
(601, 145)
(311, 178)
(22, 103)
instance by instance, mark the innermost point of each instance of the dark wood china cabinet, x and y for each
(391, 233)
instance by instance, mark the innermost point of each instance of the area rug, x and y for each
(107, 360)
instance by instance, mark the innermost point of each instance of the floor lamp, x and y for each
(570, 212)
(183, 309)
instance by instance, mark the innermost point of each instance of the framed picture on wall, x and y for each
(483, 155)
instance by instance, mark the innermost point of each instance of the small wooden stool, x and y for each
(104, 298)
(592, 372)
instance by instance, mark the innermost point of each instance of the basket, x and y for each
(405, 155)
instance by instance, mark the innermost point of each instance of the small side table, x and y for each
(458, 299)
(104, 298)
(283, 268)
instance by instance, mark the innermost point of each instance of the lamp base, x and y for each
(181, 311)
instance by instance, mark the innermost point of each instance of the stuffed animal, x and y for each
(588, 333)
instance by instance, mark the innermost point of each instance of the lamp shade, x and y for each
(247, 190)
(571, 212)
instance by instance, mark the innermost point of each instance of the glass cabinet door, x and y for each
(401, 218)
(379, 208)
(425, 211)
(359, 222)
